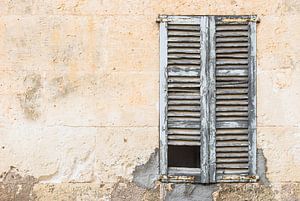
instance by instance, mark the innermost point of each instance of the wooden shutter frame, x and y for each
(208, 124)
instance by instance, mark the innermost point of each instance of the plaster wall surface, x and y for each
(79, 96)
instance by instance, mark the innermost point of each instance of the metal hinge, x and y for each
(162, 18)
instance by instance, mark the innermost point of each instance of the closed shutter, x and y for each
(180, 85)
(207, 95)
(235, 99)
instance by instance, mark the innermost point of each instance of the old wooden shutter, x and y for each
(235, 97)
(179, 88)
(207, 95)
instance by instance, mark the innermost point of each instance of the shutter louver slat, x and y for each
(183, 84)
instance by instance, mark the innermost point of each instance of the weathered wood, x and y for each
(232, 34)
(223, 62)
(185, 131)
(183, 72)
(231, 149)
(230, 131)
(235, 114)
(184, 85)
(232, 56)
(233, 103)
(184, 137)
(184, 80)
(233, 165)
(252, 98)
(232, 44)
(232, 50)
(232, 124)
(184, 45)
(187, 39)
(183, 56)
(232, 85)
(186, 20)
(184, 50)
(184, 171)
(232, 154)
(204, 153)
(184, 97)
(183, 27)
(184, 143)
(212, 100)
(184, 61)
(232, 137)
(232, 160)
(232, 97)
(163, 99)
(183, 33)
(231, 91)
(232, 144)
(232, 39)
(183, 124)
(232, 27)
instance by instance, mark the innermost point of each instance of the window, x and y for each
(208, 98)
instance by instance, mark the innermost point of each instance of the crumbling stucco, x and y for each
(79, 94)
(15, 187)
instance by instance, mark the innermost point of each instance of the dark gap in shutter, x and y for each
(183, 156)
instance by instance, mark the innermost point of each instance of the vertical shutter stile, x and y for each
(163, 99)
(204, 91)
(235, 99)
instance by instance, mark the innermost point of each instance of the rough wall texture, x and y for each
(79, 99)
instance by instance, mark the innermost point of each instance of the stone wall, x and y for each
(79, 100)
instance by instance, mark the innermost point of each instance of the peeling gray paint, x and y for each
(262, 167)
(191, 192)
(146, 175)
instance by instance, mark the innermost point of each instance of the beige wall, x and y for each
(79, 89)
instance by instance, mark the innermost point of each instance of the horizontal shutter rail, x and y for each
(232, 27)
(183, 28)
(183, 143)
(178, 171)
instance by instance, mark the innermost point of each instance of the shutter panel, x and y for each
(235, 99)
(180, 88)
